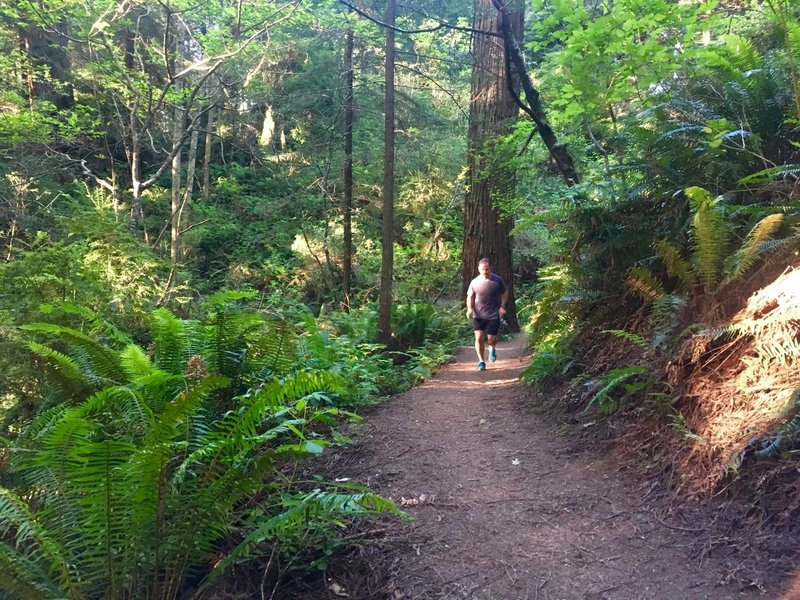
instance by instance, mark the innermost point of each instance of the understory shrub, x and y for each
(149, 458)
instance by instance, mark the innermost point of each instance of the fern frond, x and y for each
(785, 435)
(171, 341)
(754, 246)
(784, 351)
(612, 380)
(274, 349)
(642, 281)
(710, 234)
(64, 371)
(41, 424)
(664, 317)
(121, 405)
(301, 508)
(33, 549)
(677, 265)
(225, 298)
(135, 362)
(627, 335)
(99, 326)
(99, 364)
(770, 174)
(23, 579)
(681, 130)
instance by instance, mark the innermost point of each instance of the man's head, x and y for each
(484, 268)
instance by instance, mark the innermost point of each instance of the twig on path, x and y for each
(508, 500)
(539, 587)
(678, 528)
(363, 534)
(459, 578)
(546, 473)
(581, 548)
(439, 574)
(609, 589)
(404, 452)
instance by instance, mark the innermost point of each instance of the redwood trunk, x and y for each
(492, 111)
(387, 260)
(347, 253)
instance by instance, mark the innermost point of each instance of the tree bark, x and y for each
(487, 233)
(387, 256)
(175, 204)
(207, 154)
(347, 252)
(186, 202)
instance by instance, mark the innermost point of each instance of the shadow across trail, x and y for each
(503, 510)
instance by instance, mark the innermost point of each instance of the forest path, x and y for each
(503, 510)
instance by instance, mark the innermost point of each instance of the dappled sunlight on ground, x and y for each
(738, 381)
(503, 508)
(792, 591)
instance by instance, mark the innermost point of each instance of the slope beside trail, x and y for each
(502, 509)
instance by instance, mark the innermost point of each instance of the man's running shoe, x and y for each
(481, 366)
(492, 354)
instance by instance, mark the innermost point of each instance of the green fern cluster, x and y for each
(712, 265)
(241, 346)
(616, 386)
(128, 492)
(552, 324)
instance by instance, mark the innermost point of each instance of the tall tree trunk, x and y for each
(347, 252)
(387, 260)
(175, 204)
(207, 153)
(492, 107)
(186, 202)
(135, 161)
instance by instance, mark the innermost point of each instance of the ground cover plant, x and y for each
(147, 459)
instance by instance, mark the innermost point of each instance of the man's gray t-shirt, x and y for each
(488, 295)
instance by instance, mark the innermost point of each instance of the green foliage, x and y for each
(709, 235)
(644, 283)
(627, 335)
(713, 265)
(552, 323)
(597, 52)
(784, 437)
(306, 519)
(130, 491)
(426, 336)
(677, 266)
(415, 323)
(754, 247)
(616, 386)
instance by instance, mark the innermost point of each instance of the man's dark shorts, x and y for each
(490, 326)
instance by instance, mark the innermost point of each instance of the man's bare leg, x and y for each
(480, 346)
(492, 341)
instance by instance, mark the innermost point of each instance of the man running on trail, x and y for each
(486, 297)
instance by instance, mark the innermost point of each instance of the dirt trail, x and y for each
(503, 510)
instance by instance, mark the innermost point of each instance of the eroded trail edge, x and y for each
(503, 509)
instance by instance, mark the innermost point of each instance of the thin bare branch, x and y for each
(439, 27)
